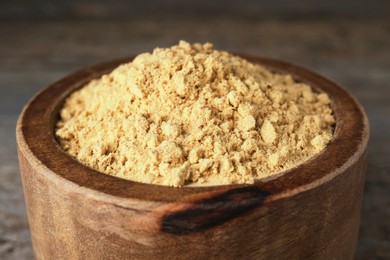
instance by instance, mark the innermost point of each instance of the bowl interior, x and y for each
(37, 121)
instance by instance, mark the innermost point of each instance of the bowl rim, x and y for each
(36, 142)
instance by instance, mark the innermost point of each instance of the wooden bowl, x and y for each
(310, 212)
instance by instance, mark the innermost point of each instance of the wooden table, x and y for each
(348, 42)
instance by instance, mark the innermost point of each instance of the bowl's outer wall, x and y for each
(320, 223)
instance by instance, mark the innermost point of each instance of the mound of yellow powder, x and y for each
(191, 114)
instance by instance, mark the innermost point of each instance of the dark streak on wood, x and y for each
(210, 212)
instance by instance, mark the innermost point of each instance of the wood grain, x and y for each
(75, 212)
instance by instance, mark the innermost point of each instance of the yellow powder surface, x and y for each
(190, 114)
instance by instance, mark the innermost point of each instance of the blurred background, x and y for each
(346, 41)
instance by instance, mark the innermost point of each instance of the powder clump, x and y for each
(192, 114)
